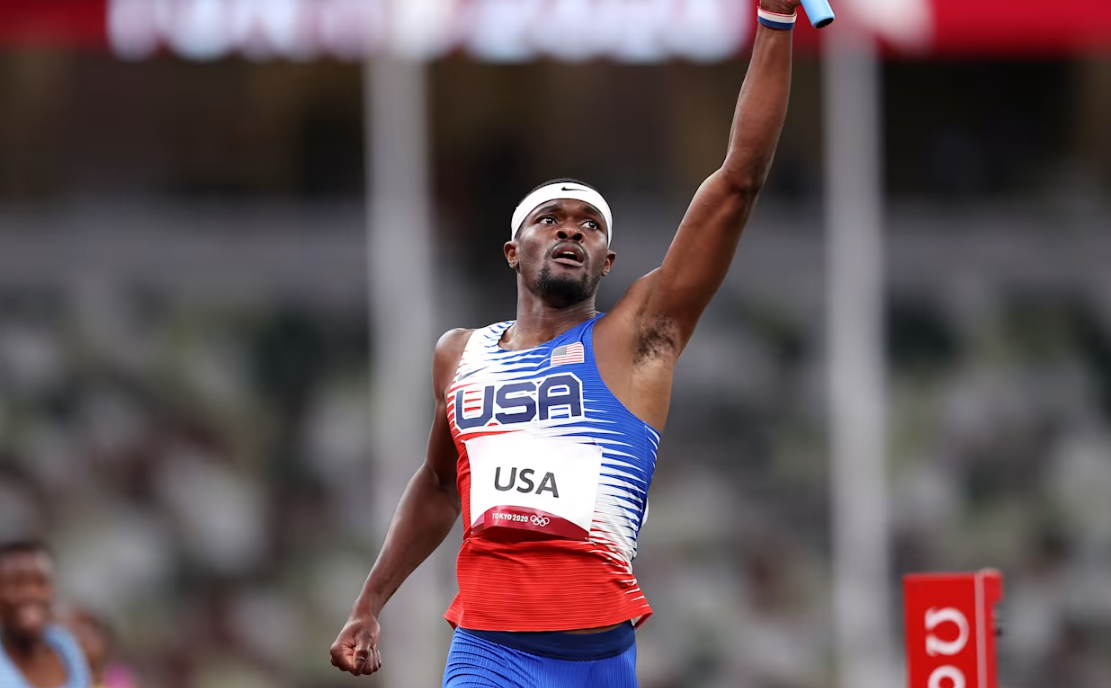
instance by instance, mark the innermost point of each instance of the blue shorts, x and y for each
(480, 659)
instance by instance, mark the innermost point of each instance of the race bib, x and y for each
(524, 482)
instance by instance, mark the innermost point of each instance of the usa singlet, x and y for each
(553, 475)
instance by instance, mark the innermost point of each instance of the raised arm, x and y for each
(674, 296)
(424, 517)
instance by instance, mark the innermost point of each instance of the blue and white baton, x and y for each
(819, 12)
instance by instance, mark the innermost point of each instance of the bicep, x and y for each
(442, 458)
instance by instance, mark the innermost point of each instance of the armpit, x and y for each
(657, 338)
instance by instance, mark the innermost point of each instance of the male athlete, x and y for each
(34, 652)
(546, 427)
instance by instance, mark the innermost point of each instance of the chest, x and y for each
(46, 670)
(510, 402)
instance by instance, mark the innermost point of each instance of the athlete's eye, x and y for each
(591, 224)
(546, 220)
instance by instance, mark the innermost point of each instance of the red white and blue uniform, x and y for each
(553, 475)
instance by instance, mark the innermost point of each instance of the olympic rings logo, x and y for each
(540, 521)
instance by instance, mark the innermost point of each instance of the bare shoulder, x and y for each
(445, 359)
(452, 343)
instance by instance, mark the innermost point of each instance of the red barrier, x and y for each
(54, 23)
(951, 628)
(1021, 27)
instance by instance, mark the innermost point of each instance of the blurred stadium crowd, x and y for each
(200, 463)
(200, 476)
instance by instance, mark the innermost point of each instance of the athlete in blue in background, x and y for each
(34, 651)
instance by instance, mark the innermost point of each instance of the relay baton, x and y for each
(819, 12)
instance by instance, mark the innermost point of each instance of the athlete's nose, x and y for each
(573, 236)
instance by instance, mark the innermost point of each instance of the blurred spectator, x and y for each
(34, 651)
(98, 642)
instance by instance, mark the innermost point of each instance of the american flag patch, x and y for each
(571, 353)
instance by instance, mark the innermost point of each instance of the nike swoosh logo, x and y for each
(570, 189)
(466, 375)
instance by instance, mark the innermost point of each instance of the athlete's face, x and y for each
(561, 251)
(26, 593)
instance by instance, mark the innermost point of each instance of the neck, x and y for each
(539, 322)
(24, 648)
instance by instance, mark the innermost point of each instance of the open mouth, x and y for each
(32, 615)
(569, 253)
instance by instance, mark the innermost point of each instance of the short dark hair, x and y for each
(561, 180)
(25, 546)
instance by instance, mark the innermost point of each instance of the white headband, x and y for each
(561, 190)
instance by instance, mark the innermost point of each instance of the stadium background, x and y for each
(194, 362)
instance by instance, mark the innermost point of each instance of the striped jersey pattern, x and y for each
(552, 394)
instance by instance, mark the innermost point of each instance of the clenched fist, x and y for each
(356, 648)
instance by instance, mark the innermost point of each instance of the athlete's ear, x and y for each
(608, 264)
(511, 256)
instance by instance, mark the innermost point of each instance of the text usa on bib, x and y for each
(527, 482)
